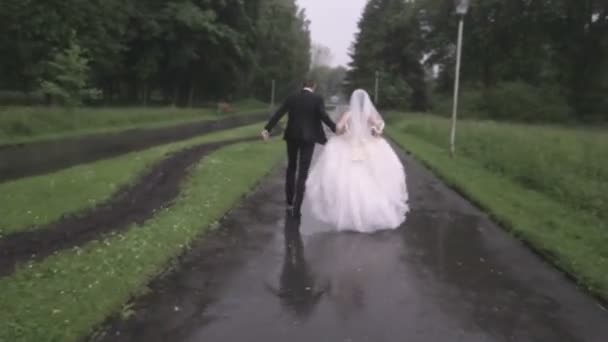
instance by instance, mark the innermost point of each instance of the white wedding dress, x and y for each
(357, 182)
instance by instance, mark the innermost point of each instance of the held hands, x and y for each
(376, 132)
(378, 128)
(265, 135)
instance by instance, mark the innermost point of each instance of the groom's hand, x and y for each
(265, 135)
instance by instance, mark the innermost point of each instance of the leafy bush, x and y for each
(66, 76)
(470, 104)
(396, 93)
(518, 101)
(511, 101)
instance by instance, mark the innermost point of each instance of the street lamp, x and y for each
(462, 7)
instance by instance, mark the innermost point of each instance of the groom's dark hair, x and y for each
(309, 84)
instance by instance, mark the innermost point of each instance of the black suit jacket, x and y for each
(306, 113)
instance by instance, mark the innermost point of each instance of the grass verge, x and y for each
(568, 165)
(576, 241)
(65, 296)
(33, 202)
(32, 124)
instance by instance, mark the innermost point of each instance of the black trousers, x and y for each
(300, 156)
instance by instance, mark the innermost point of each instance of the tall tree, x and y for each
(321, 56)
(329, 80)
(176, 51)
(390, 42)
(557, 44)
(283, 47)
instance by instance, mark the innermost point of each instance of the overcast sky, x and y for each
(334, 24)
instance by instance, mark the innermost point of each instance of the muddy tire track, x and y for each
(135, 203)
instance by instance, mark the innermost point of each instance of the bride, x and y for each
(357, 182)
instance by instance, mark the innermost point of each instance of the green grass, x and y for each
(530, 179)
(33, 202)
(569, 165)
(65, 296)
(29, 124)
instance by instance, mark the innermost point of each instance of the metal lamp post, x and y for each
(377, 88)
(272, 94)
(462, 7)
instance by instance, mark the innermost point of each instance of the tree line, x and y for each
(181, 52)
(548, 58)
(330, 80)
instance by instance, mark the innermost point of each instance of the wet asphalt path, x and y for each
(449, 274)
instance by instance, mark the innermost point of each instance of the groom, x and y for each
(306, 113)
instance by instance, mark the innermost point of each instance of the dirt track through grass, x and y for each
(63, 297)
(135, 204)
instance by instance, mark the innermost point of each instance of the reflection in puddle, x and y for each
(341, 268)
(298, 290)
(445, 263)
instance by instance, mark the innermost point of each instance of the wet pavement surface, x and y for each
(449, 274)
